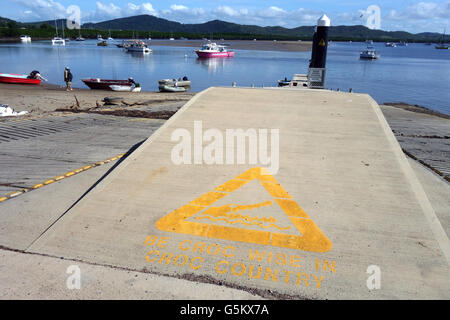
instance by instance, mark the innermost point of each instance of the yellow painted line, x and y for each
(66, 175)
(14, 194)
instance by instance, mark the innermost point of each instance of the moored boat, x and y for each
(138, 46)
(391, 44)
(212, 50)
(105, 84)
(102, 43)
(369, 54)
(18, 78)
(25, 38)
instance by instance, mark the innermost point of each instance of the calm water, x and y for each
(416, 74)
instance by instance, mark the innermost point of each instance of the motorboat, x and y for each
(284, 83)
(102, 43)
(100, 37)
(213, 50)
(80, 39)
(369, 53)
(391, 44)
(105, 84)
(138, 46)
(25, 38)
(19, 78)
(125, 88)
(181, 82)
(402, 44)
(166, 88)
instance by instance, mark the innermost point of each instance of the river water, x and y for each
(415, 74)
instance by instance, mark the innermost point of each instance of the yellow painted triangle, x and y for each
(311, 238)
(322, 43)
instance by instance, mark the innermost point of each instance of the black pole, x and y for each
(320, 43)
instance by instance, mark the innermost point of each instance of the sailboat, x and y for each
(65, 39)
(58, 41)
(109, 37)
(79, 38)
(442, 45)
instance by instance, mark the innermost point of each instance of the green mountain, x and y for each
(160, 28)
(151, 23)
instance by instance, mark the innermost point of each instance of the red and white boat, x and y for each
(104, 84)
(213, 50)
(18, 78)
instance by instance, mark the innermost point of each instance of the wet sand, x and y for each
(263, 45)
(47, 98)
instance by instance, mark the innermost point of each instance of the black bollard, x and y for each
(316, 75)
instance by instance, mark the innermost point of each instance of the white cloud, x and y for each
(177, 7)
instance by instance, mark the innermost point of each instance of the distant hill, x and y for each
(220, 28)
(151, 23)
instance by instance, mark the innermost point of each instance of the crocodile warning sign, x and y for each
(273, 218)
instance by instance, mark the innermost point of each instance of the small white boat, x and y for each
(391, 44)
(167, 88)
(99, 37)
(171, 39)
(369, 54)
(182, 82)
(57, 41)
(125, 88)
(138, 46)
(25, 38)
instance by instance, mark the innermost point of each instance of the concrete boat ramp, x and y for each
(274, 193)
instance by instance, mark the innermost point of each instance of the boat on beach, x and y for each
(181, 82)
(105, 84)
(213, 50)
(125, 88)
(167, 88)
(18, 79)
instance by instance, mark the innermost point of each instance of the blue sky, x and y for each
(409, 15)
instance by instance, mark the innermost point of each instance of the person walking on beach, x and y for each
(68, 79)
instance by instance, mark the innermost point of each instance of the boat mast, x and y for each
(62, 25)
(56, 26)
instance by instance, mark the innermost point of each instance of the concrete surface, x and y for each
(338, 160)
(40, 277)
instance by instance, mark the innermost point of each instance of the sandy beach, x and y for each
(47, 98)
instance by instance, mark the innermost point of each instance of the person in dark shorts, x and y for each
(68, 79)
